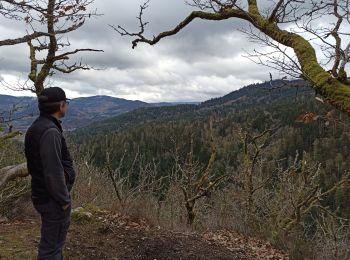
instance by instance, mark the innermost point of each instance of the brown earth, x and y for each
(112, 236)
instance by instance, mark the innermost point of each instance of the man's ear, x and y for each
(62, 105)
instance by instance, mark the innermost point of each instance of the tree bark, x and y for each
(10, 173)
(332, 89)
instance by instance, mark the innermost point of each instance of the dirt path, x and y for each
(117, 237)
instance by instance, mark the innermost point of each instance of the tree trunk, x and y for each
(190, 213)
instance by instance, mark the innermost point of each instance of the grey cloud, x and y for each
(14, 59)
(202, 61)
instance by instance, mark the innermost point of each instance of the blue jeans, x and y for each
(54, 226)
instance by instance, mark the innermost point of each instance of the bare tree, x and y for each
(196, 182)
(293, 48)
(297, 194)
(126, 185)
(253, 147)
(332, 236)
(48, 22)
(7, 132)
(9, 174)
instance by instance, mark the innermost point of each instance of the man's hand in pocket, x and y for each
(65, 206)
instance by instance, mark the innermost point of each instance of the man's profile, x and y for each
(52, 175)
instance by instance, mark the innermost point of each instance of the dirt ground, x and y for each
(112, 236)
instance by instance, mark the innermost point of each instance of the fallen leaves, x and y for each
(307, 117)
(252, 247)
(310, 117)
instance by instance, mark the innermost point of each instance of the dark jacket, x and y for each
(49, 161)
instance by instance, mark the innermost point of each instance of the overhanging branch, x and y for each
(223, 15)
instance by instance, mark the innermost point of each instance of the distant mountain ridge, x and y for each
(98, 114)
(248, 97)
(82, 111)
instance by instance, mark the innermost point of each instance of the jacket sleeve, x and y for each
(50, 153)
(67, 163)
(70, 175)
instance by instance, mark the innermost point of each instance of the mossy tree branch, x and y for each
(334, 90)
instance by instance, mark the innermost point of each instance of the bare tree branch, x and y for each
(11, 173)
(60, 17)
(333, 87)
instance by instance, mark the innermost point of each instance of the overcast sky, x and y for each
(203, 61)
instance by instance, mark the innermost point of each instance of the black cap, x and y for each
(53, 94)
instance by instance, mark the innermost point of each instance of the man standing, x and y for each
(52, 175)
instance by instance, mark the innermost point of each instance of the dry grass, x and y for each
(223, 210)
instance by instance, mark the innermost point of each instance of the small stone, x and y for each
(4, 220)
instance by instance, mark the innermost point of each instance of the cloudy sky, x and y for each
(203, 61)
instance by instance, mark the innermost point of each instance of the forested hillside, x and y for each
(269, 160)
(260, 173)
(253, 109)
(281, 158)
